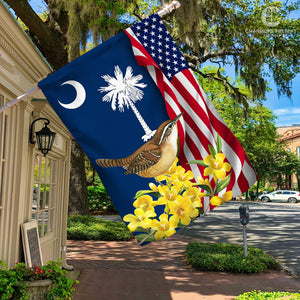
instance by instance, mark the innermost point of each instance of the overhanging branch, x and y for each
(199, 60)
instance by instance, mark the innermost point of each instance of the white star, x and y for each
(152, 40)
(152, 33)
(167, 53)
(167, 60)
(160, 29)
(175, 62)
(176, 69)
(161, 65)
(145, 44)
(169, 75)
(183, 65)
(160, 58)
(159, 50)
(168, 67)
(145, 37)
(159, 43)
(160, 36)
(146, 23)
(153, 54)
(174, 55)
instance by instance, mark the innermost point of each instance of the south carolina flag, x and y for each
(114, 97)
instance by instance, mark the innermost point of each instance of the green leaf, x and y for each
(219, 144)
(198, 162)
(141, 193)
(223, 183)
(212, 150)
(205, 187)
(147, 192)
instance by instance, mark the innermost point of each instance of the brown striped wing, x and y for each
(144, 160)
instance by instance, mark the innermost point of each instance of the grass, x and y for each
(90, 228)
(228, 258)
(259, 295)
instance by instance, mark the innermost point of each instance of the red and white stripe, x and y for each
(200, 123)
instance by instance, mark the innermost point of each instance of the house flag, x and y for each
(114, 98)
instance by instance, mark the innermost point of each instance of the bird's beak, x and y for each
(177, 118)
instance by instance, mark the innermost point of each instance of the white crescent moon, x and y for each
(80, 95)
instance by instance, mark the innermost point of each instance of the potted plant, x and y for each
(38, 282)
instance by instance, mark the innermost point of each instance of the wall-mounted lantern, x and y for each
(44, 137)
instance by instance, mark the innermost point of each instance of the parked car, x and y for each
(281, 196)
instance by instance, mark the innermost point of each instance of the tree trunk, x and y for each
(78, 202)
(148, 132)
(257, 187)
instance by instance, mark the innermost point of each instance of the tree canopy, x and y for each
(256, 37)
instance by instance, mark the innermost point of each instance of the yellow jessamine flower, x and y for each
(153, 187)
(167, 175)
(216, 166)
(204, 181)
(194, 195)
(216, 200)
(144, 202)
(182, 211)
(163, 227)
(169, 194)
(173, 168)
(182, 178)
(139, 219)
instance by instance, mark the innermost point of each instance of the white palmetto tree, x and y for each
(125, 91)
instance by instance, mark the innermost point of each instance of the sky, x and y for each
(286, 110)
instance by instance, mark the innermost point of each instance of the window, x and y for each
(44, 190)
(298, 151)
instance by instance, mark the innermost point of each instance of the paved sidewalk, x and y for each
(126, 271)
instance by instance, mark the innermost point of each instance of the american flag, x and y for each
(155, 49)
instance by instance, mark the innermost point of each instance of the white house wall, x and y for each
(21, 67)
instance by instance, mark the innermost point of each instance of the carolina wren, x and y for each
(155, 157)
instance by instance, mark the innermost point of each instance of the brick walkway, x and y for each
(126, 271)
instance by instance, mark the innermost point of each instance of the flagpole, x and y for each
(18, 99)
(168, 8)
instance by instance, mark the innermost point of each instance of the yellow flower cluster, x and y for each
(180, 201)
(178, 198)
(216, 167)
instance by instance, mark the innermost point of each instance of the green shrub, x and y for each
(228, 258)
(259, 295)
(99, 200)
(90, 228)
(13, 281)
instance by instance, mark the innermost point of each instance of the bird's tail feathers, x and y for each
(107, 163)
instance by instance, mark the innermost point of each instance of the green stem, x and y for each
(145, 238)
